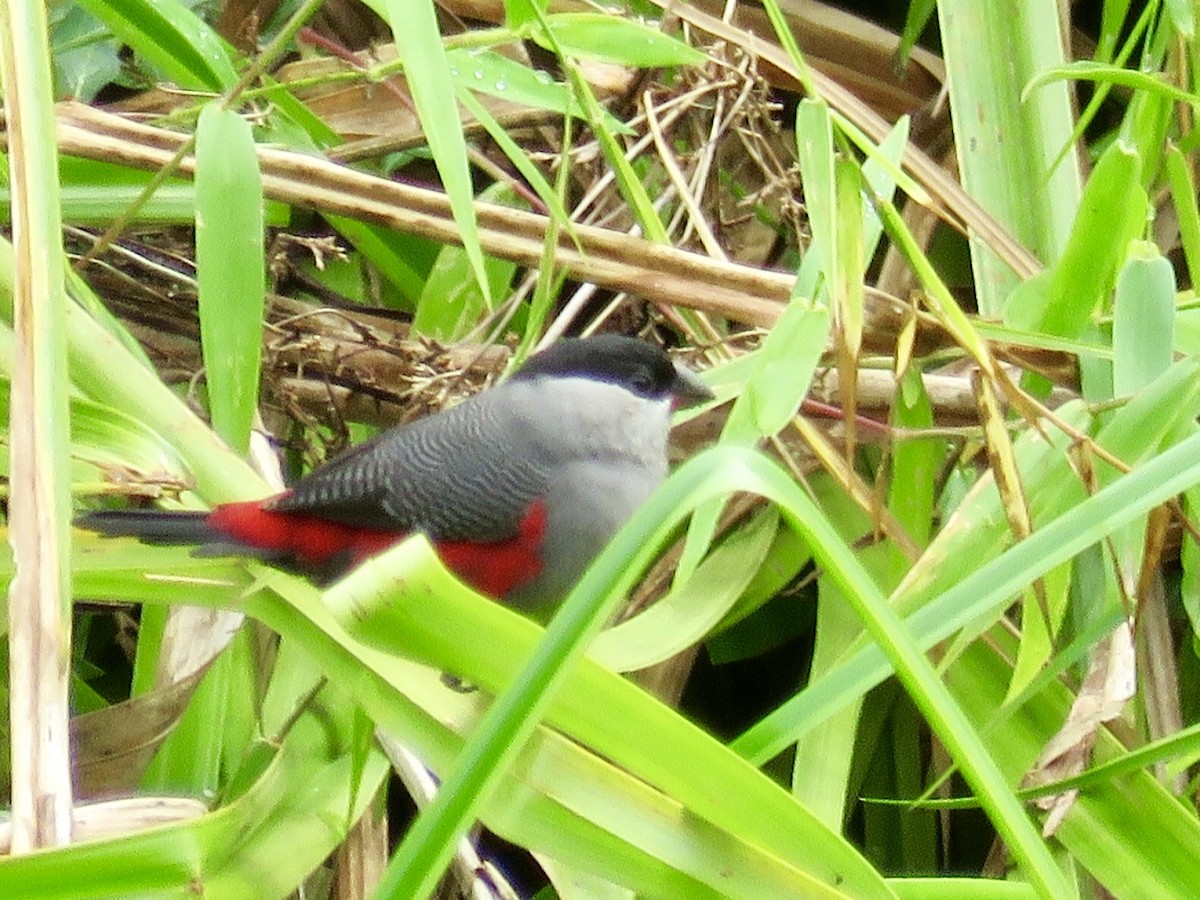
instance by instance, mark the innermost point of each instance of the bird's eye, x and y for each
(641, 382)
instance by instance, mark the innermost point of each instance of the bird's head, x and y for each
(637, 366)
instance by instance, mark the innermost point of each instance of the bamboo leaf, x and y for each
(1143, 320)
(230, 270)
(616, 40)
(415, 28)
(171, 37)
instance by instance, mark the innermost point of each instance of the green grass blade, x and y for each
(415, 28)
(451, 303)
(1005, 144)
(632, 189)
(261, 845)
(172, 38)
(1183, 193)
(497, 739)
(1112, 212)
(230, 270)
(691, 610)
(976, 597)
(1101, 73)
(814, 151)
(515, 713)
(1143, 320)
(623, 42)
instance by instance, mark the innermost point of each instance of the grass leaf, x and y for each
(230, 269)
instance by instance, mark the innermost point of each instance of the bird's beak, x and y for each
(688, 389)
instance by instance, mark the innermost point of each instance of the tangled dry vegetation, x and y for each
(715, 148)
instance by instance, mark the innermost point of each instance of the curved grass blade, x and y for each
(419, 861)
(172, 38)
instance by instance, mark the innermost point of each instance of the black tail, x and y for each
(184, 528)
(154, 526)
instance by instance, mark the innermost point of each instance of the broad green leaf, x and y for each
(731, 640)
(1005, 141)
(1111, 213)
(230, 270)
(775, 387)
(613, 39)
(914, 461)
(1143, 319)
(109, 441)
(506, 79)
(171, 37)
(96, 192)
(1037, 643)
(262, 845)
(451, 302)
(821, 768)
(405, 260)
(1112, 25)
(1183, 17)
(692, 609)
(85, 57)
(814, 147)
(848, 279)
(784, 370)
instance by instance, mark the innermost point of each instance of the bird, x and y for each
(518, 487)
